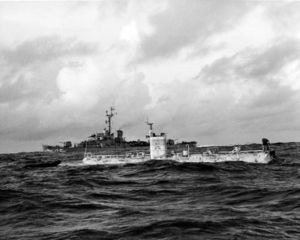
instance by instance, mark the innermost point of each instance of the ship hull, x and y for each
(258, 157)
(248, 157)
(94, 159)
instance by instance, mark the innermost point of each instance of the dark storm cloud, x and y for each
(184, 22)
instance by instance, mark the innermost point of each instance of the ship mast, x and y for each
(150, 128)
(109, 116)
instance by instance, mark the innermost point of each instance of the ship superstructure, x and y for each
(107, 137)
(99, 140)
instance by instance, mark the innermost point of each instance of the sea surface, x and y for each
(150, 200)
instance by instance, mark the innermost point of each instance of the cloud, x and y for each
(245, 95)
(30, 68)
(212, 71)
(284, 17)
(271, 60)
(74, 105)
(17, 90)
(255, 64)
(184, 22)
(45, 49)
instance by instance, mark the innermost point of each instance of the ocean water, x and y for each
(150, 200)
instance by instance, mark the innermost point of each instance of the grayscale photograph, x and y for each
(150, 119)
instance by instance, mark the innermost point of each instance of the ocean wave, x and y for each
(150, 200)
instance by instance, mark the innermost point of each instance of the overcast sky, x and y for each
(214, 71)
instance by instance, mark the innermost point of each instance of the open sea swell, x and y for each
(151, 200)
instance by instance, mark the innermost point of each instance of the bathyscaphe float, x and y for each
(158, 151)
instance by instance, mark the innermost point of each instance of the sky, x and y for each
(213, 71)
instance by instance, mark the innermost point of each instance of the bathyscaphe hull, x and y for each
(248, 157)
(158, 151)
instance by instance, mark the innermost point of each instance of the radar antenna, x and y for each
(109, 115)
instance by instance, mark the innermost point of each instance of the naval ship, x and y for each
(107, 140)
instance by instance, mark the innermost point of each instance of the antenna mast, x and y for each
(109, 116)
